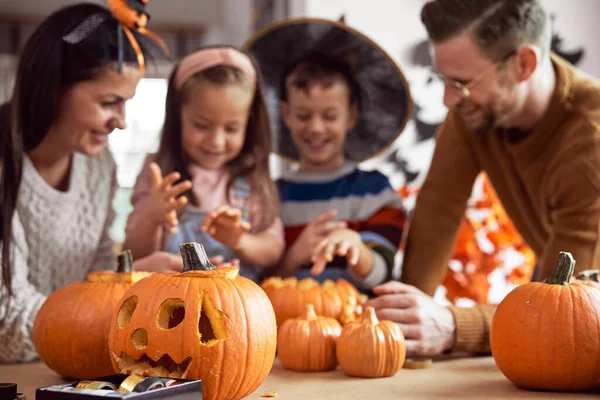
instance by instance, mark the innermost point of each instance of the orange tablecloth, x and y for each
(464, 378)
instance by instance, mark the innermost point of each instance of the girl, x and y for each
(58, 177)
(216, 137)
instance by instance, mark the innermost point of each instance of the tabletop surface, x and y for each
(458, 378)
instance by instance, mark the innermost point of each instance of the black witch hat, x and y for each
(385, 102)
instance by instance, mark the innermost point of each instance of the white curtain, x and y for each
(8, 66)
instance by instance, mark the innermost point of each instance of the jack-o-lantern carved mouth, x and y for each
(145, 366)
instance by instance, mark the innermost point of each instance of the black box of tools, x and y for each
(124, 387)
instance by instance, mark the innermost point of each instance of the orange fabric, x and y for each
(471, 263)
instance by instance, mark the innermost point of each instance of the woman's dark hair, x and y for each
(48, 66)
(253, 160)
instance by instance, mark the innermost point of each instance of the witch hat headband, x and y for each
(132, 16)
(385, 101)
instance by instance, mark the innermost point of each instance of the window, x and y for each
(145, 114)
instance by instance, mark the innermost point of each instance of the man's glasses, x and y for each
(464, 90)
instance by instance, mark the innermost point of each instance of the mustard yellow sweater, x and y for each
(548, 182)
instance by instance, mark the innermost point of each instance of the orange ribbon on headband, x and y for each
(208, 58)
(134, 19)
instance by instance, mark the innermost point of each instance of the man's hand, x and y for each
(428, 327)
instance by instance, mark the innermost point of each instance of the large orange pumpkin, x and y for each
(369, 348)
(339, 300)
(204, 323)
(547, 335)
(307, 343)
(70, 332)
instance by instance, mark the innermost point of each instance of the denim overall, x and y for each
(190, 221)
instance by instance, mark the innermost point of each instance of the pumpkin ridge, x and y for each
(549, 297)
(247, 354)
(546, 303)
(71, 350)
(253, 386)
(597, 314)
(217, 386)
(589, 299)
(571, 306)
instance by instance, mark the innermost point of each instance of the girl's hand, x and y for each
(342, 242)
(219, 260)
(159, 261)
(165, 197)
(225, 225)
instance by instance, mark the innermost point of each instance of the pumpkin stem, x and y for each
(124, 261)
(195, 258)
(309, 312)
(589, 275)
(369, 316)
(563, 270)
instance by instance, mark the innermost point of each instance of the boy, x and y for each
(340, 221)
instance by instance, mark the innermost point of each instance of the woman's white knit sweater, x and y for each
(58, 237)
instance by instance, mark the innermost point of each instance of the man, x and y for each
(532, 123)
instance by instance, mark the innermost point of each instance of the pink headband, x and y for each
(208, 58)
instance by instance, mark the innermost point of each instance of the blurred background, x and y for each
(490, 257)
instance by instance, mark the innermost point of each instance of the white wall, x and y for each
(396, 25)
(164, 11)
(226, 21)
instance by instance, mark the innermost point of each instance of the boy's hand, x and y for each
(165, 197)
(314, 233)
(225, 225)
(343, 242)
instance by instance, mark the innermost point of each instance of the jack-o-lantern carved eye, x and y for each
(210, 325)
(170, 314)
(126, 311)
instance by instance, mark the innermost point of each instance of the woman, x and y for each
(58, 177)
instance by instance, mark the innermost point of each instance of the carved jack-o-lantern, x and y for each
(204, 323)
(70, 332)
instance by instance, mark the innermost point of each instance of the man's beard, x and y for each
(485, 118)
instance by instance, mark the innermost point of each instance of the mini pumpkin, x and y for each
(369, 348)
(339, 300)
(307, 343)
(588, 277)
(204, 323)
(545, 336)
(70, 331)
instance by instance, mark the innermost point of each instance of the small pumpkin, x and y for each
(204, 323)
(369, 348)
(307, 343)
(340, 300)
(589, 277)
(70, 331)
(545, 336)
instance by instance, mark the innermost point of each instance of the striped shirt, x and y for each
(364, 199)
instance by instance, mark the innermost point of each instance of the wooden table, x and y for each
(460, 378)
